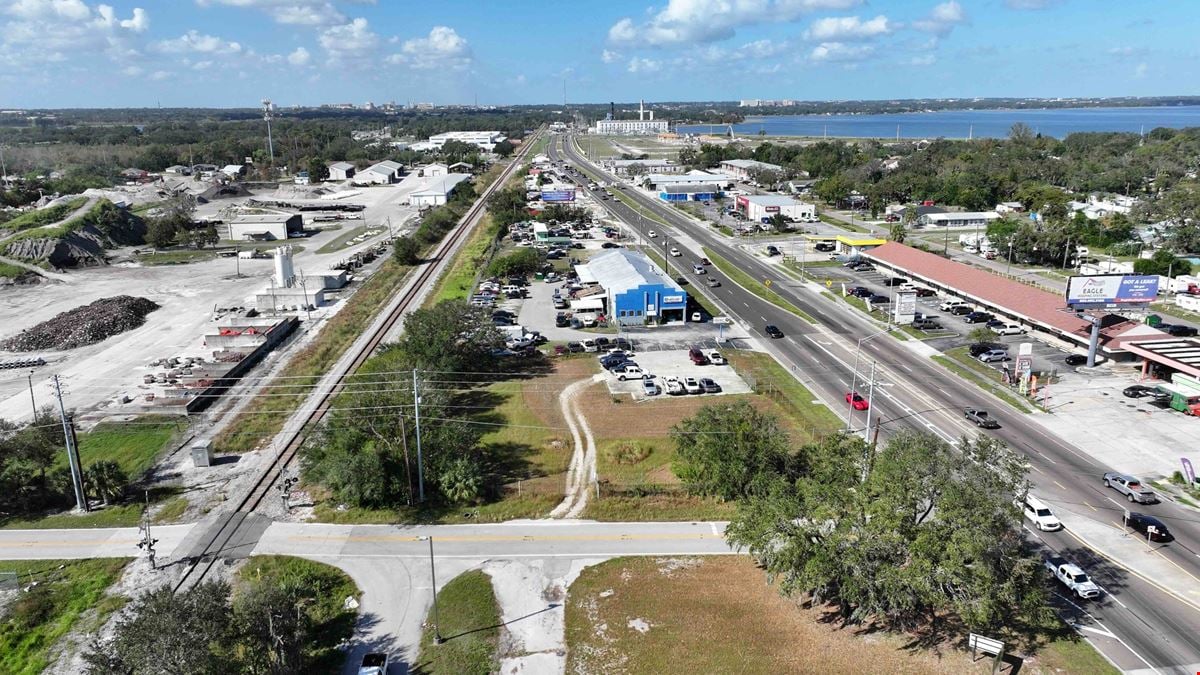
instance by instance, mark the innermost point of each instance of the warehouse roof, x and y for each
(341, 166)
(441, 185)
(264, 218)
(620, 270)
(751, 164)
(689, 189)
(769, 200)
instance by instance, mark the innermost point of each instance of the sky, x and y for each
(233, 53)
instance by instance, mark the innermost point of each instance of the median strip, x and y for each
(957, 362)
(744, 280)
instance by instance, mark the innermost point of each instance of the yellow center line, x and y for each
(1090, 506)
(74, 543)
(1060, 486)
(520, 538)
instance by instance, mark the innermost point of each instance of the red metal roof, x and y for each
(1011, 296)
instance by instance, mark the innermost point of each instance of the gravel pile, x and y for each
(84, 325)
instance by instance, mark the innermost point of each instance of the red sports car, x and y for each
(858, 402)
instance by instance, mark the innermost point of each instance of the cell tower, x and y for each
(268, 108)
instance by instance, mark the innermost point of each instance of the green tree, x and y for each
(504, 148)
(161, 232)
(164, 632)
(508, 206)
(107, 480)
(981, 335)
(1163, 263)
(451, 337)
(317, 169)
(834, 190)
(407, 251)
(725, 450)
(909, 536)
(521, 262)
(898, 231)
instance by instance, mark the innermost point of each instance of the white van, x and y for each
(1040, 515)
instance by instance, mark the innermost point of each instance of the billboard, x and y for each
(558, 195)
(1111, 290)
(906, 306)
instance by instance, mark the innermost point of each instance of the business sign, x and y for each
(722, 320)
(672, 299)
(1188, 471)
(771, 209)
(905, 307)
(743, 202)
(558, 195)
(1111, 290)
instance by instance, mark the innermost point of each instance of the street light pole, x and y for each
(854, 375)
(870, 400)
(437, 631)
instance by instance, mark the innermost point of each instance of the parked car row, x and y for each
(677, 386)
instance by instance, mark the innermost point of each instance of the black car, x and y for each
(1140, 522)
(978, 317)
(861, 292)
(773, 331)
(926, 292)
(878, 299)
(623, 343)
(575, 347)
(959, 310)
(1177, 330)
(603, 342)
(609, 244)
(772, 250)
(863, 267)
(981, 347)
(894, 281)
(824, 247)
(1081, 359)
(1138, 391)
(995, 323)
(709, 386)
(561, 320)
(682, 281)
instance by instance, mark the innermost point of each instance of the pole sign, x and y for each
(905, 309)
(558, 196)
(1107, 291)
(1188, 471)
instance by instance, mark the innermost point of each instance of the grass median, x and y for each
(744, 280)
(469, 622)
(959, 362)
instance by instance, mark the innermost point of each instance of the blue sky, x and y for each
(225, 53)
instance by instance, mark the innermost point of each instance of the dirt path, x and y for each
(581, 473)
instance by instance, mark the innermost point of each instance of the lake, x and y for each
(962, 123)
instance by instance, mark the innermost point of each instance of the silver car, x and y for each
(1130, 486)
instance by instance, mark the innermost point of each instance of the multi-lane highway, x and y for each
(1145, 620)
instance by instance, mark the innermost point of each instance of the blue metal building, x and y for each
(637, 291)
(681, 193)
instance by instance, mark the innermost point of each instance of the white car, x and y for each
(674, 386)
(716, 359)
(692, 386)
(1040, 515)
(590, 346)
(650, 388)
(630, 373)
(652, 234)
(675, 253)
(1009, 329)
(951, 304)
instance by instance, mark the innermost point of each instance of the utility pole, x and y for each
(870, 400)
(72, 452)
(420, 463)
(32, 400)
(266, 103)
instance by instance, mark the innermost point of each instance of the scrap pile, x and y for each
(84, 325)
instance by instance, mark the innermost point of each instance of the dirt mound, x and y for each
(84, 325)
(222, 192)
(81, 241)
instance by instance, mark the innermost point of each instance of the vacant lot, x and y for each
(719, 615)
(66, 590)
(134, 445)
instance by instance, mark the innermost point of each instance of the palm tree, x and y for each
(108, 480)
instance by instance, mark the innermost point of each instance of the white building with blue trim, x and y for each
(637, 291)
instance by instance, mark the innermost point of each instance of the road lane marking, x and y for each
(1090, 506)
(1060, 486)
(714, 528)
(1115, 502)
(511, 538)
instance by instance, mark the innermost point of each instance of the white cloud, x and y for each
(1124, 51)
(608, 56)
(923, 60)
(761, 49)
(703, 21)
(300, 57)
(159, 75)
(348, 41)
(291, 12)
(643, 65)
(836, 28)
(194, 41)
(55, 31)
(442, 48)
(942, 19)
(132, 71)
(202, 65)
(840, 52)
(1141, 70)
(71, 10)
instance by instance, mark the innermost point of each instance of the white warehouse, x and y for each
(484, 140)
(757, 207)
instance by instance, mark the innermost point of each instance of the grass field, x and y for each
(756, 287)
(66, 591)
(134, 445)
(721, 615)
(12, 271)
(830, 220)
(469, 623)
(40, 217)
(322, 591)
(959, 361)
(456, 283)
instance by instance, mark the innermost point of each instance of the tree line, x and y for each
(914, 534)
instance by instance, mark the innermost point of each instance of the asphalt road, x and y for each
(1151, 628)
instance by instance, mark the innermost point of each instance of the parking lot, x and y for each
(661, 364)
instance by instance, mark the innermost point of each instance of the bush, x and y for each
(628, 453)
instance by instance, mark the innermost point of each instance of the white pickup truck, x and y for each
(1073, 578)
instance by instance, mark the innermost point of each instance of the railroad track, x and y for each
(201, 565)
